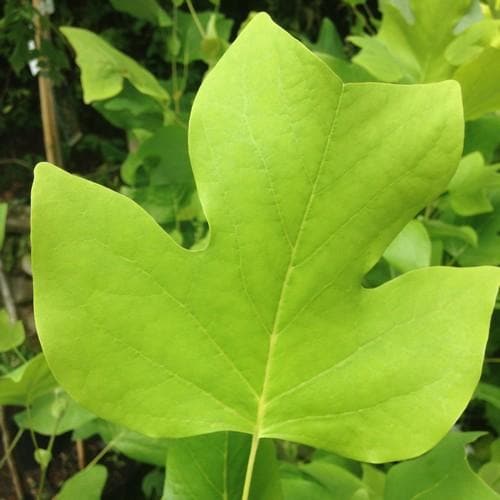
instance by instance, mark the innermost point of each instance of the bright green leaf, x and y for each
(149, 10)
(376, 58)
(213, 467)
(472, 42)
(411, 40)
(11, 334)
(412, 47)
(104, 69)
(443, 473)
(411, 249)
(303, 192)
(87, 484)
(23, 385)
(479, 81)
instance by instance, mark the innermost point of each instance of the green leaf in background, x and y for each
(470, 187)
(152, 483)
(479, 81)
(487, 251)
(411, 249)
(328, 42)
(412, 47)
(11, 334)
(149, 10)
(483, 135)
(213, 467)
(3, 220)
(160, 175)
(24, 384)
(45, 418)
(440, 230)
(443, 473)
(323, 479)
(191, 48)
(104, 69)
(132, 444)
(489, 393)
(490, 471)
(130, 109)
(87, 484)
(411, 41)
(301, 205)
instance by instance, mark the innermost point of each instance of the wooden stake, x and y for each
(47, 103)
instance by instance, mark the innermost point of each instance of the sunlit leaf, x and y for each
(303, 192)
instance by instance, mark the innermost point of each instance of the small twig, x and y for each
(11, 311)
(8, 447)
(13, 444)
(80, 453)
(492, 360)
(16, 161)
(8, 301)
(43, 468)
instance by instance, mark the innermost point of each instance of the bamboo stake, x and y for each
(51, 139)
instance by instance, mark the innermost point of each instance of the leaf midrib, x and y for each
(273, 337)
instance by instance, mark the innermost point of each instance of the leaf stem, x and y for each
(11, 447)
(8, 447)
(104, 451)
(251, 462)
(196, 19)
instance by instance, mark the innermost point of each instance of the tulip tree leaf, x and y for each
(414, 45)
(132, 444)
(11, 334)
(479, 81)
(53, 413)
(303, 192)
(410, 249)
(213, 467)
(483, 135)
(104, 69)
(413, 49)
(487, 251)
(27, 382)
(149, 10)
(87, 484)
(442, 473)
(471, 185)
